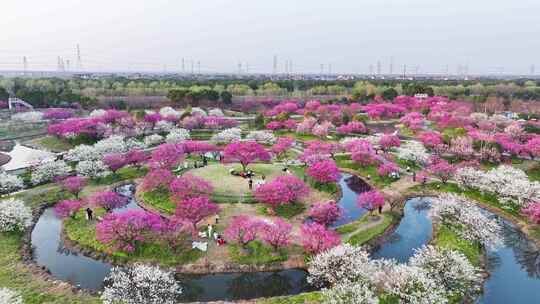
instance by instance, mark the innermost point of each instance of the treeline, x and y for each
(49, 92)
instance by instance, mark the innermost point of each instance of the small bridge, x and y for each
(14, 101)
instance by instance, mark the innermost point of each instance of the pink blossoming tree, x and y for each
(245, 153)
(189, 186)
(115, 161)
(370, 200)
(276, 233)
(195, 210)
(388, 141)
(108, 200)
(156, 179)
(74, 184)
(325, 213)
(68, 208)
(242, 230)
(167, 156)
(532, 211)
(316, 238)
(325, 171)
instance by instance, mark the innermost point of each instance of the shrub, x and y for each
(14, 215)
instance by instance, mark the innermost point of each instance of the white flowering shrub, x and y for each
(14, 215)
(450, 269)
(262, 137)
(177, 136)
(338, 264)
(132, 143)
(350, 293)
(169, 112)
(153, 140)
(97, 113)
(47, 171)
(92, 169)
(81, 153)
(164, 126)
(466, 219)
(198, 112)
(10, 183)
(216, 112)
(141, 284)
(227, 136)
(412, 151)
(8, 296)
(32, 116)
(110, 145)
(409, 283)
(510, 184)
(478, 117)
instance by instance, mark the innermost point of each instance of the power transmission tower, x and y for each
(286, 66)
(404, 71)
(25, 65)
(183, 65)
(533, 68)
(329, 68)
(192, 67)
(371, 69)
(247, 67)
(239, 68)
(79, 60)
(290, 66)
(275, 67)
(378, 67)
(199, 67)
(391, 65)
(322, 68)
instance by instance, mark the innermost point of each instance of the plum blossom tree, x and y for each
(108, 200)
(157, 179)
(284, 189)
(9, 296)
(127, 230)
(388, 169)
(136, 157)
(441, 168)
(325, 213)
(431, 139)
(115, 161)
(242, 229)
(325, 171)
(141, 284)
(167, 156)
(245, 153)
(49, 170)
(388, 141)
(189, 186)
(281, 147)
(370, 200)
(10, 183)
(356, 127)
(462, 147)
(316, 238)
(276, 233)
(14, 215)
(347, 292)
(195, 209)
(92, 169)
(450, 269)
(532, 211)
(68, 208)
(74, 184)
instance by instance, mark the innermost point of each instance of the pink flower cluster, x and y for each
(108, 200)
(244, 229)
(370, 200)
(316, 238)
(284, 189)
(68, 208)
(289, 124)
(384, 110)
(325, 171)
(58, 113)
(325, 213)
(353, 127)
(189, 186)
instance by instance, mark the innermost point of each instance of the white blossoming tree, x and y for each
(216, 112)
(227, 136)
(10, 183)
(450, 269)
(92, 169)
(14, 215)
(81, 153)
(32, 116)
(164, 126)
(177, 136)
(341, 263)
(262, 137)
(141, 284)
(110, 145)
(466, 219)
(8, 296)
(169, 112)
(153, 140)
(350, 293)
(413, 151)
(48, 170)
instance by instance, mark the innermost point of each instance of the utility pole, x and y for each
(239, 68)
(404, 71)
(79, 59)
(25, 65)
(199, 67)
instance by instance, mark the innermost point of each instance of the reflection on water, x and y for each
(351, 186)
(413, 231)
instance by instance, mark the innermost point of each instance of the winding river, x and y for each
(514, 268)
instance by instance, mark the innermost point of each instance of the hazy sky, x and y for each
(349, 34)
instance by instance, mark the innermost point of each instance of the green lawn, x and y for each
(159, 199)
(53, 143)
(83, 232)
(126, 173)
(364, 236)
(298, 136)
(256, 253)
(286, 211)
(534, 173)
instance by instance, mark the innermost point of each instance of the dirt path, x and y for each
(362, 227)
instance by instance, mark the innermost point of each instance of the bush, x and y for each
(14, 215)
